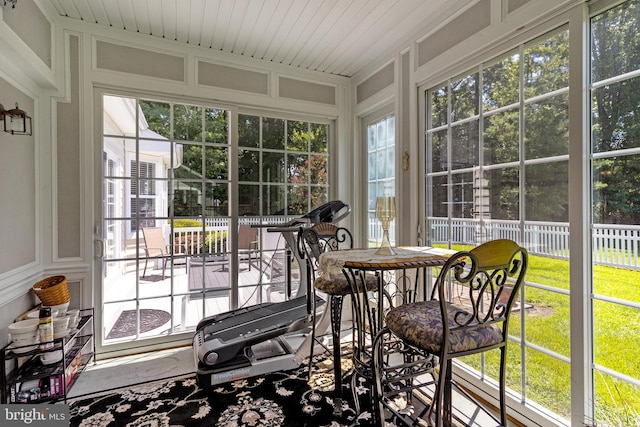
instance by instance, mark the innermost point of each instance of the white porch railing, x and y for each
(213, 238)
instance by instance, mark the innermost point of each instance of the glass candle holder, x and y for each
(385, 212)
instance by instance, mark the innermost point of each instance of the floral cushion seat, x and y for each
(342, 287)
(420, 325)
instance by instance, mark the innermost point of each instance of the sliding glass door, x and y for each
(184, 212)
(165, 177)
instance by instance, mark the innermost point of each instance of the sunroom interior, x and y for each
(190, 123)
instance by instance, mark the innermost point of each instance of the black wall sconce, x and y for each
(16, 121)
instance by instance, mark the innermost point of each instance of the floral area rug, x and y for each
(279, 399)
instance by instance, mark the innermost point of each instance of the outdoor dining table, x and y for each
(402, 277)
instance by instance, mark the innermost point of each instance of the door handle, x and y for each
(99, 247)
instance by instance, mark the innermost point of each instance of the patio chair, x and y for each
(247, 243)
(155, 246)
(437, 331)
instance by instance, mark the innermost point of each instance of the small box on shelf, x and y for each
(36, 390)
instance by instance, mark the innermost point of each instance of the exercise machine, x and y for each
(266, 337)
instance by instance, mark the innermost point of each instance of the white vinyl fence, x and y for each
(615, 245)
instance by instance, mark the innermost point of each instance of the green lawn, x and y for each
(616, 330)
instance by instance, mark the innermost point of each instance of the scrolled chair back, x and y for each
(468, 313)
(481, 286)
(322, 237)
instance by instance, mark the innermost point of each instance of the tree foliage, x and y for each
(200, 134)
(615, 37)
(278, 160)
(528, 91)
(522, 91)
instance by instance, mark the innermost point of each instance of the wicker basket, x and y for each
(53, 290)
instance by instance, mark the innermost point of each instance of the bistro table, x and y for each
(402, 277)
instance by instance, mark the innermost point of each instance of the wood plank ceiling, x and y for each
(338, 37)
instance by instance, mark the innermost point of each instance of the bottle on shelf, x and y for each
(45, 328)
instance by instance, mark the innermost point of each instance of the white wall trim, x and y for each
(18, 282)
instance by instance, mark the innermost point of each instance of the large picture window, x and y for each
(615, 172)
(497, 167)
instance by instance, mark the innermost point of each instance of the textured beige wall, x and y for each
(115, 57)
(306, 91)
(28, 22)
(515, 4)
(17, 188)
(460, 29)
(374, 84)
(234, 78)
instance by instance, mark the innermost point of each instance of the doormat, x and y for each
(150, 319)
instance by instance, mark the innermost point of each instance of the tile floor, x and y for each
(128, 370)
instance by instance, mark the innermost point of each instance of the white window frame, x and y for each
(579, 199)
(378, 115)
